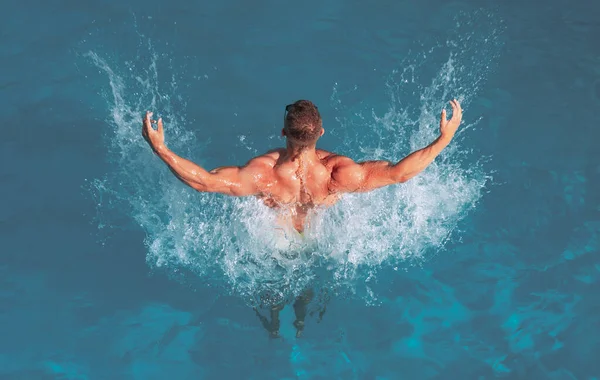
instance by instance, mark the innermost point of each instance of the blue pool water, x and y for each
(487, 265)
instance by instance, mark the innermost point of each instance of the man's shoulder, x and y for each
(268, 159)
(345, 172)
(333, 159)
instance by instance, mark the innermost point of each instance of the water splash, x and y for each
(233, 243)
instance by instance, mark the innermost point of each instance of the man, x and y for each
(300, 177)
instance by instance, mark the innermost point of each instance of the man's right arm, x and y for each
(230, 180)
(349, 176)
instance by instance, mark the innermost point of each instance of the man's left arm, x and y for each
(350, 176)
(231, 180)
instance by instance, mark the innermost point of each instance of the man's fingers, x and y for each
(456, 110)
(147, 120)
(443, 115)
(457, 104)
(148, 127)
(453, 104)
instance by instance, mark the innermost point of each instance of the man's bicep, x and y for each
(230, 180)
(380, 174)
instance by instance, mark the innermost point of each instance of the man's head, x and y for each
(302, 124)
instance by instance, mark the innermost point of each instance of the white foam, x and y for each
(235, 244)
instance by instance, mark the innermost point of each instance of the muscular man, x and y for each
(300, 177)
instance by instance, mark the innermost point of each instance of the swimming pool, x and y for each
(484, 266)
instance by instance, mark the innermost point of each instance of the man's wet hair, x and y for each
(303, 122)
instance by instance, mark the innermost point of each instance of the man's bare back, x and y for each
(295, 185)
(299, 178)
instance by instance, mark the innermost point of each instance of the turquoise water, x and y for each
(484, 266)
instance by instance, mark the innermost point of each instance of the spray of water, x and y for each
(234, 243)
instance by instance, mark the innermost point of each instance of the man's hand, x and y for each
(154, 137)
(448, 127)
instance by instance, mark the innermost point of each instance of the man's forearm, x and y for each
(417, 161)
(188, 172)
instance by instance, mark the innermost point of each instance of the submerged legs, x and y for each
(300, 310)
(272, 326)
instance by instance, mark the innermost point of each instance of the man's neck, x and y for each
(307, 154)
